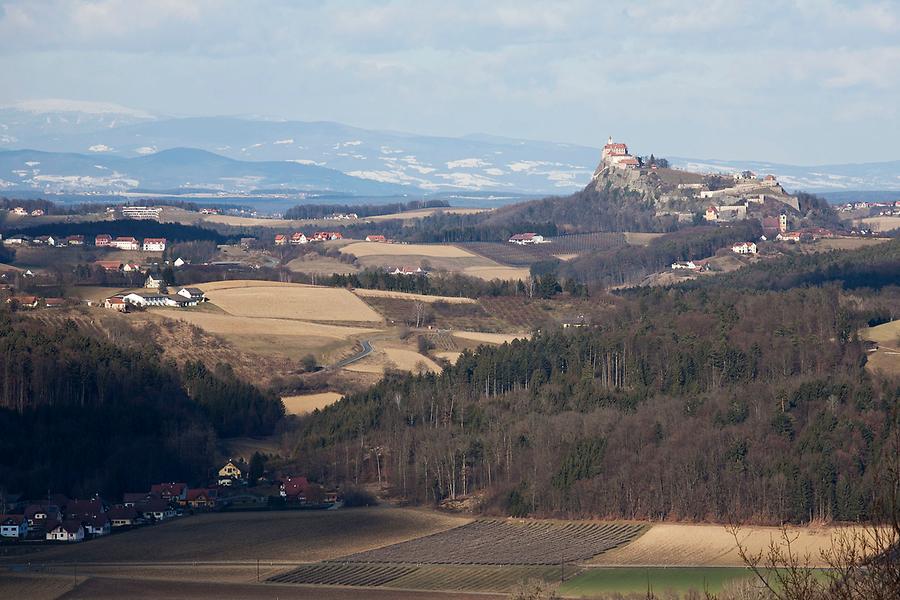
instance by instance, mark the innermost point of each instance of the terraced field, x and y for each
(494, 542)
(429, 577)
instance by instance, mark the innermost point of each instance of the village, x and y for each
(237, 486)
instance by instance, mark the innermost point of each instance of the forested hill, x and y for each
(717, 403)
(80, 416)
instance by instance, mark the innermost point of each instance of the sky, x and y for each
(801, 82)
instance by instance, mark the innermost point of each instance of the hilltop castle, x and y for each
(616, 155)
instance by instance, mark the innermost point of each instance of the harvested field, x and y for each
(494, 542)
(108, 588)
(503, 273)
(35, 587)
(442, 315)
(637, 238)
(448, 355)
(523, 256)
(364, 249)
(882, 223)
(678, 580)
(341, 574)
(386, 357)
(279, 536)
(846, 243)
(280, 337)
(429, 577)
(886, 357)
(412, 215)
(307, 403)
(670, 544)
(490, 338)
(93, 293)
(288, 301)
(320, 265)
(517, 312)
(364, 293)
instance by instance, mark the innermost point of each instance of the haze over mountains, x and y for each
(105, 148)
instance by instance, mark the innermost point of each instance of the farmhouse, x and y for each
(526, 238)
(298, 238)
(376, 238)
(54, 302)
(192, 294)
(97, 525)
(116, 303)
(131, 268)
(40, 514)
(16, 240)
(155, 508)
(295, 488)
(744, 248)
(154, 244)
(20, 211)
(124, 243)
(409, 271)
(122, 516)
(23, 301)
(154, 283)
(280, 239)
(144, 300)
(109, 265)
(102, 240)
(712, 214)
(170, 492)
(66, 531)
(324, 236)
(38, 212)
(13, 526)
(233, 469)
(74, 240)
(789, 236)
(685, 265)
(201, 498)
(179, 262)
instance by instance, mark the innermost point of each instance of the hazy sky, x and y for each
(802, 82)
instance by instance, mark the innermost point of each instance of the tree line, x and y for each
(700, 404)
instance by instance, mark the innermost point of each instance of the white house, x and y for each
(526, 238)
(14, 527)
(145, 300)
(685, 265)
(744, 248)
(154, 283)
(154, 244)
(298, 238)
(409, 271)
(179, 262)
(99, 525)
(125, 243)
(67, 531)
(192, 294)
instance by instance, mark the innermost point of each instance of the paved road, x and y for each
(366, 350)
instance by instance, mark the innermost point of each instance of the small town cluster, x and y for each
(100, 241)
(298, 238)
(57, 518)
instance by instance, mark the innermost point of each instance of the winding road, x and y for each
(366, 350)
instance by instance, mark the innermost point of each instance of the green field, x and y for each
(626, 580)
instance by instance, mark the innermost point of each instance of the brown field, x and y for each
(364, 293)
(490, 273)
(426, 212)
(307, 403)
(565, 256)
(636, 238)
(848, 243)
(35, 587)
(320, 265)
(105, 588)
(448, 355)
(268, 299)
(281, 337)
(389, 355)
(886, 358)
(366, 249)
(882, 223)
(490, 338)
(279, 536)
(93, 293)
(673, 544)
(441, 315)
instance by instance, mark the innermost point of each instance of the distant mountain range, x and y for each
(105, 148)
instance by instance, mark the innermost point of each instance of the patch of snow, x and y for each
(526, 165)
(20, 172)
(32, 163)
(470, 180)
(56, 105)
(101, 167)
(8, 139)
(100, 148)
(305, 161)
(283, 142)
(421, 169)
(389, 150)
(340, 145)
(146, 150)
(250, 147)
(467, 163)
(398, 177)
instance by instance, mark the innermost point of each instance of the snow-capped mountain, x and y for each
(416, 164)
